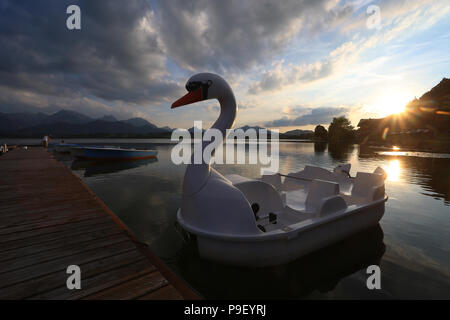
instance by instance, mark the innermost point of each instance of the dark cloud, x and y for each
(322, 115)
(122, 51)
(235, 34)
(279, 77)
(115, 56)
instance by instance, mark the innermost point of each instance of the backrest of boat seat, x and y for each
(342, 168)
(380, 170)
(318, 190)
(302, 178)
(365, 184)
(313, 172)
(272, 178)
(291, 182)
(262, 193)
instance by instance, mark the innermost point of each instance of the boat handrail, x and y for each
(306, 179)
(287, 176)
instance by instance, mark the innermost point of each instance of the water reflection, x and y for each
(415, 226)
(393, 170)
(320, 147)
(432, 174)
(319, 271)
(340, 152)
(93, 168)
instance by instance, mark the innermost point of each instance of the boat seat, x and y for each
(291, 184)
(313, 172)
(272, 178)
(294, 180)
(295, 199)
(369, 186)
(261, 195)
(323, 198)
(236, 179)
(380, 170)
(345, 168)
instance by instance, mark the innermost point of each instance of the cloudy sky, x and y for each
(291, 63)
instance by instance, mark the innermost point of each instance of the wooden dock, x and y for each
(49, 220)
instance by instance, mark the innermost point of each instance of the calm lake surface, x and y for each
(411, 244)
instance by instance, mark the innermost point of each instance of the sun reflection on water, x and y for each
(393, 170)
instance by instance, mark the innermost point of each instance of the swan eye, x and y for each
(194, 85)
(203, 85)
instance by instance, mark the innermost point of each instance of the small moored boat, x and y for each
(77, 152)
(65, 147)
(112, 153)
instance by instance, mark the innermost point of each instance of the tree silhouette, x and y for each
(320, 133)
(341, 130)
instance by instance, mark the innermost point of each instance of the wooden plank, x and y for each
(164, 293)
(60, 252)
(74, 225)
(42, 239)
(57, 221)
(61, 244)
(30, 272)
(32, 218)
(41, 287)
(100, 282)
(133, 288)
(29, 209)
(49, 220)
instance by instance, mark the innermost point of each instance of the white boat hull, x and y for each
(263, 222)
(267, 251)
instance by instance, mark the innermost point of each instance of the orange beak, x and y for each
(190, 97)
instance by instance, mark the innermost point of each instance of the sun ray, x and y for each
(390, 102)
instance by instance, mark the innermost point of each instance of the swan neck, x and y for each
(227, 115)
(197, 175)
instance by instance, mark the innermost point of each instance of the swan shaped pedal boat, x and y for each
(274, 219)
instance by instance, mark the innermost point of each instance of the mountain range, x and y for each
(298, 133)
(69, 123)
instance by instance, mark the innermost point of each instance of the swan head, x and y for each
(203, 86)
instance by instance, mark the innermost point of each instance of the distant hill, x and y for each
(246, 127)
(67, 123)
(298, 132)
(67, 116)
(195, 129)
(139, 122)
(440, 93)
(108, 118)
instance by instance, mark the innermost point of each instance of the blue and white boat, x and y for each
(112, 153)
(65, 147)
(77, 152)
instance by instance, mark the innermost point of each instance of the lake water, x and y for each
(411, 244)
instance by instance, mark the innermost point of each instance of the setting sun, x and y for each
(390, 103)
